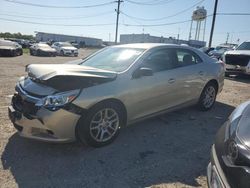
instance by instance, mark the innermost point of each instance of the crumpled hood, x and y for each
(238, 52)
(69, 48)
(68, 76)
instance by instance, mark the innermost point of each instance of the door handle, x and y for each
(171, 80)
(201, 73)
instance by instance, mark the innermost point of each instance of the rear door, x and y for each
(192, 74)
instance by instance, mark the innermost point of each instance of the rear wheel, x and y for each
(208, 97)
(101, 124)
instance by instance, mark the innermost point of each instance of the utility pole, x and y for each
(213, 22)
(227, 38)
(117, 18)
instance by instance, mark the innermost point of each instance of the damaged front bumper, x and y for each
(40, 123)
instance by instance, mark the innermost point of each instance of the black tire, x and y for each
(21, 51)
(31, 52)
(83, 132)
(38, 53)
(61, 53)
(204, 104)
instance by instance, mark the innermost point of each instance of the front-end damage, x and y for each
(43, 105)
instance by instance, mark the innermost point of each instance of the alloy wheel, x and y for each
(104, 125)
(210, 95)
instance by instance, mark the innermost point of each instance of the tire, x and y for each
(61, 53)
(31, 52)
(92, 127)
(208, 97)
(38, 53)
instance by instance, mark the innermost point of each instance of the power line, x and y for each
(54, 6)
(166, 17)
(234, 14)
(57, 18)
(150, 3)
(152, 25)
(53, 24)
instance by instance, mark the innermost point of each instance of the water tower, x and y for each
(199, 16)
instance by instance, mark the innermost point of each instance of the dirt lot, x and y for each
(172, 150)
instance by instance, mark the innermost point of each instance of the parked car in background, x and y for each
(42, 49)
(24, 43)
(73, 43)
(65, 48)
(91, 99)
(230, 157)
(9, 48)
(238, 61)
(206, 49)
(219, 51)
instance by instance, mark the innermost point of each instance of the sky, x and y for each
(99, 22)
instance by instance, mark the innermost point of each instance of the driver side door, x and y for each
(151, 94)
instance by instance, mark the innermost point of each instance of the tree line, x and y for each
(17, 36)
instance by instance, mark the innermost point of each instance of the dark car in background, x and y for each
(9, 48)
(219, 51)
(230, 156)
(42, 49)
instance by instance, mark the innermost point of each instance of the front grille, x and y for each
(23, 105)
(241, 60)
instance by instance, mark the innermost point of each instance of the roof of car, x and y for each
(145, 45)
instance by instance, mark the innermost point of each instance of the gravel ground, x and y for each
(171, 150)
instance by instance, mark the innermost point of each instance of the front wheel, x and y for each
(208, 97)
(101, 124)
(61, 53)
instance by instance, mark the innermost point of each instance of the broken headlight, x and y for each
(53, 102)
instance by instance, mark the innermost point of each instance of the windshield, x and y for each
(43, 45)
(66, 44)
(115, 59)
(244, 46)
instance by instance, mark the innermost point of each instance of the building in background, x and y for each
(147, 38)
(86, 41)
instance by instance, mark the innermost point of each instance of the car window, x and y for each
(116, 59)
(187, 57)
(160, 60)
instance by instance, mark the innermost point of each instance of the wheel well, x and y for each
(215, 83)
(120, 103)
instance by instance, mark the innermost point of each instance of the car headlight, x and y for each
(231, 126)
(224, 58)
(53, 102)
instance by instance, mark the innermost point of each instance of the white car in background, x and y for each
(238, 61)
(65, 48)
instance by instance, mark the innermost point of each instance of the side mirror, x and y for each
(143, 71)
